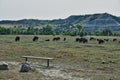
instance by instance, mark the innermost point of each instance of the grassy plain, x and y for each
(91, 61)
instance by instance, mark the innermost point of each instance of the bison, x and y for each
(106, 39)
(17, 38)
(77, 39)
(119, 42)
(92, 38)
(56, 38)
(100, 41)
(35, 38)
(47, 40)
(64, 39)
(114, 39)
(83, 40)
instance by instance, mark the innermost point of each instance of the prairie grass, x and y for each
(103, 58)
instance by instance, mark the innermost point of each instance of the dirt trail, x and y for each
(60, 72)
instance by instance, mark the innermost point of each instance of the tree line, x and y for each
(50, 30)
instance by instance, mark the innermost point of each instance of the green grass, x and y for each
(92, 56)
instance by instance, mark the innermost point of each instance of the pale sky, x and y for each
(55, 9)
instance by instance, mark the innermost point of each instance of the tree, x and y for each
(74, 33)
(97, 32)
(48, 30)
(80, 28)
(30, 30)
(107, 32)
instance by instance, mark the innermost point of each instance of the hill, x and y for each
(90, 22)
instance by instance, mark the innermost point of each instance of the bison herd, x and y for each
(80, 39)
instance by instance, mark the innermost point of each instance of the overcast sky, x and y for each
(55, 9)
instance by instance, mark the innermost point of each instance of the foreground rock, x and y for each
(3, 66)
(25, 67)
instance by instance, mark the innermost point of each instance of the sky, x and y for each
(55, 9)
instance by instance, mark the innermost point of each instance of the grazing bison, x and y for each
(119, 42)
(83, 40)
(64, 39)
(114, 39)
(100, 41)
(77, 39)
(35, 38)
(17, 38)
(106, 39)
(92, 38)
(56, 38)
(47, 40)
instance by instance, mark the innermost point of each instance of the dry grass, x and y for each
(99, 61)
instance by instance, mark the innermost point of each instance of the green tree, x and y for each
(3, 30)
(97, 33)
(30, 30)
(66, 32)
(74, 33)
(107, 32)
(80, 28)
(48, 30)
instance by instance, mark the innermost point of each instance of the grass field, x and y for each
(91, 61)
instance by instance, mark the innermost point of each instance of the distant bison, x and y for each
(56, 38)
(106, 39)
(114, 39)
(100, 41)
(47, 40)
(35, 38)
(17, 38)
(119, 42)
(92, 38)
(77, 39)
(64, 39)
(83, 40)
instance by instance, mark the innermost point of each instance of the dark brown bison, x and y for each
(35, 38)
(83, 40)
(17, 38)
(56, 38)
(77, 39)
(64, 39)
(47, 40)
(106, 39)
(100, 41)
(92, 38)
(114, 39)
(119, 42)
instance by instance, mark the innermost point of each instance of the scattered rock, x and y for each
(104, 62)
(3, 66)
(111, 61)
(25, 67)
